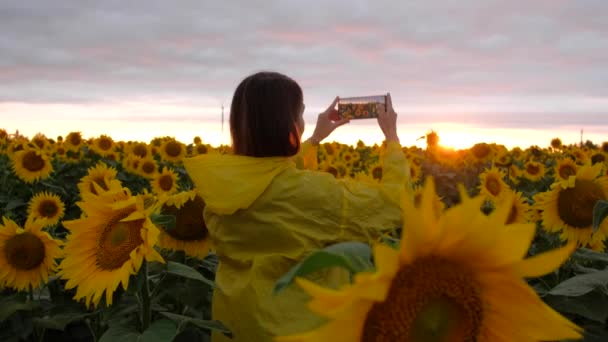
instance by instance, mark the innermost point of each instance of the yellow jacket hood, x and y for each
(228, 182)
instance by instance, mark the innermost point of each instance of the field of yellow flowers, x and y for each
(104, 240)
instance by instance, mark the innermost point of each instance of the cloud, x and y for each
(480, 56)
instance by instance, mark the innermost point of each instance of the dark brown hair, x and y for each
(264, 115)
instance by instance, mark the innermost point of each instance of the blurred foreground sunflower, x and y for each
(107, 245)
(27, 255)
(46, 208)
(31, 165)
(190, 233)
(457, 277)
(568, 207)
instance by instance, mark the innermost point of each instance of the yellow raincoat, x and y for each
(265, 214)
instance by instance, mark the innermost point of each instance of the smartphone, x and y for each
(361, 107)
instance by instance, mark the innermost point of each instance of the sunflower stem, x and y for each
(145, 299)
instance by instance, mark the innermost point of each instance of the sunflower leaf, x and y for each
(119, 333)
(185, 271)
(201, 323)
(347, 255)
(160, 331)
(581, 284)
(591, 255)
(600, 213)
(167, 222)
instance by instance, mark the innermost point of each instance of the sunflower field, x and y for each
(104, 240)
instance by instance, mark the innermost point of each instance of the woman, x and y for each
(264, 214)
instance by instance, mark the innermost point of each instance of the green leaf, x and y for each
(167, 222)
(353, 256)
(600, 212)
(9, 307)
(593, 305)
(162, 330)
(119, 333)
(581, 284)
(185, 271)
(201, 323)
(588, 254)
(59, 321)
(14, 204)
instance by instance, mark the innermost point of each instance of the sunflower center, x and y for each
(598, 158)
(24, 251)
(165, 182)
(39, 142)
(48, 209)
(148, 167)
(117, 241)
(140, 150)
(173, 149)
(32, 161)
(75, 139)
(575, 205)
(493, 186)
(377, 173)
(189, 223)
(105, 144)
(565, 171)
(430, 300)
(532, 169)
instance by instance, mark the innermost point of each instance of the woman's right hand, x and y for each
(387, 120)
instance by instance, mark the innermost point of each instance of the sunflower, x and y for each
(27, 255)
(520, 211)
(131, 163)
(107, 245)
(415, 173)
(46, 207)
(147, 167)
(140, 149)
(503, 160)
(103, 145)
(452, 279)
(40, 141)
(165, 182)
(73, 141)
(327, 166)
(580, 156)
(190, 233)
(329, 149)
(99, 179)
(376, 171)
(172, 150)
(565, 168)
(31, 165)
(493, 186)
(568, 207)
(200, 149)
(197, 140)
(59, 151)
(482, 152)
(534, 171)
(556, 143)
(438, 205)
(598, 157)
(605, 147)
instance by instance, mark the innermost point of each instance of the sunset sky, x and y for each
(512, 72)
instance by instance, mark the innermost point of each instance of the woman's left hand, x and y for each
(327, 122)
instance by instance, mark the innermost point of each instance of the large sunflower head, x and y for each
(99, 179)
(568, 207)
(190, 233)
(456, 277)
(27, 255)
(46, 207)
(103, 145)
(107, 245)
(31, 165)
(534, 171)
(165, 182)
(493, 186)
(172, 150)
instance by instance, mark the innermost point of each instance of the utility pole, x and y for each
(581, 137)
(222, 117)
